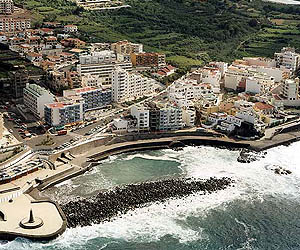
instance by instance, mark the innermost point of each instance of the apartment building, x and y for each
(126, 47)
(93, 98)
(158, 116)
(142, 114)
(6, 7)
(62, 113)
(1, 126)
(35, 97)
(13, 24)
(148, 60)
(170, 117)
(126, 86)
(260, 61)
(89, 80)
(189, 116)
(288, 59)
(101, 64)
(290, 89)
(211, 75)
(18, 81)
(182, 91)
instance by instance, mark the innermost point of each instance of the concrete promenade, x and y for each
(20, 196)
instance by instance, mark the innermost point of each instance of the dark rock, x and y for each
(106, 205)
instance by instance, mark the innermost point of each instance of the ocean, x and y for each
(261, 211)
(293, 2)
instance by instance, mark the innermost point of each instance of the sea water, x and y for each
(261, 211)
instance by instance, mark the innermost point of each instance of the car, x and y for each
(10, 130)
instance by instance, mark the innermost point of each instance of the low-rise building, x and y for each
(34, 57)
(35, 97)
(70, 28)
(124, 124)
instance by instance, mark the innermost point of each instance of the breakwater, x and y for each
(106, 205)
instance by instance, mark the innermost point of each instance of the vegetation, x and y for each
(190, 32)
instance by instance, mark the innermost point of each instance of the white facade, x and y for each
(120, 125)
(101, 64)
(260, 61)
(288, 58)
(278, 74)
(126, 86)
(1, 125)
(290, 89)
(70, 28)
(141, 113)
(182, 90)
(89, 80)
(170, 118)
(253, 86)
(189, 117)
(35, 97)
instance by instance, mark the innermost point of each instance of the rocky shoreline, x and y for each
(107, 205)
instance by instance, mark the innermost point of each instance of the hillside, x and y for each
(190, 32)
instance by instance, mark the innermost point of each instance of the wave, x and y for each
(254, 182)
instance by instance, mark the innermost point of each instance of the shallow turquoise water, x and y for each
(262, 210)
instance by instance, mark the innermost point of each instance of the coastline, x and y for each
(89, 155)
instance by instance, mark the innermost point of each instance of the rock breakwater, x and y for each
(107, 205)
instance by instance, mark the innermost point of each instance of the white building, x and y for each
(290, 90)
(70, 28)
(35, 97)
(222, 66)
(253, 85)
(234, 75)
(101, 64)
(182, 90)
(189, 116)
(1, 125)
(120, 125)
(127, 86)
(170, 117)
(62, 113)
(260, 61)
(278, 74)
(288, 58)
(141, 113)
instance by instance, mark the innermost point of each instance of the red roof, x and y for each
(46, 30)
(55, 105)
(263, 106)
(80, 90)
